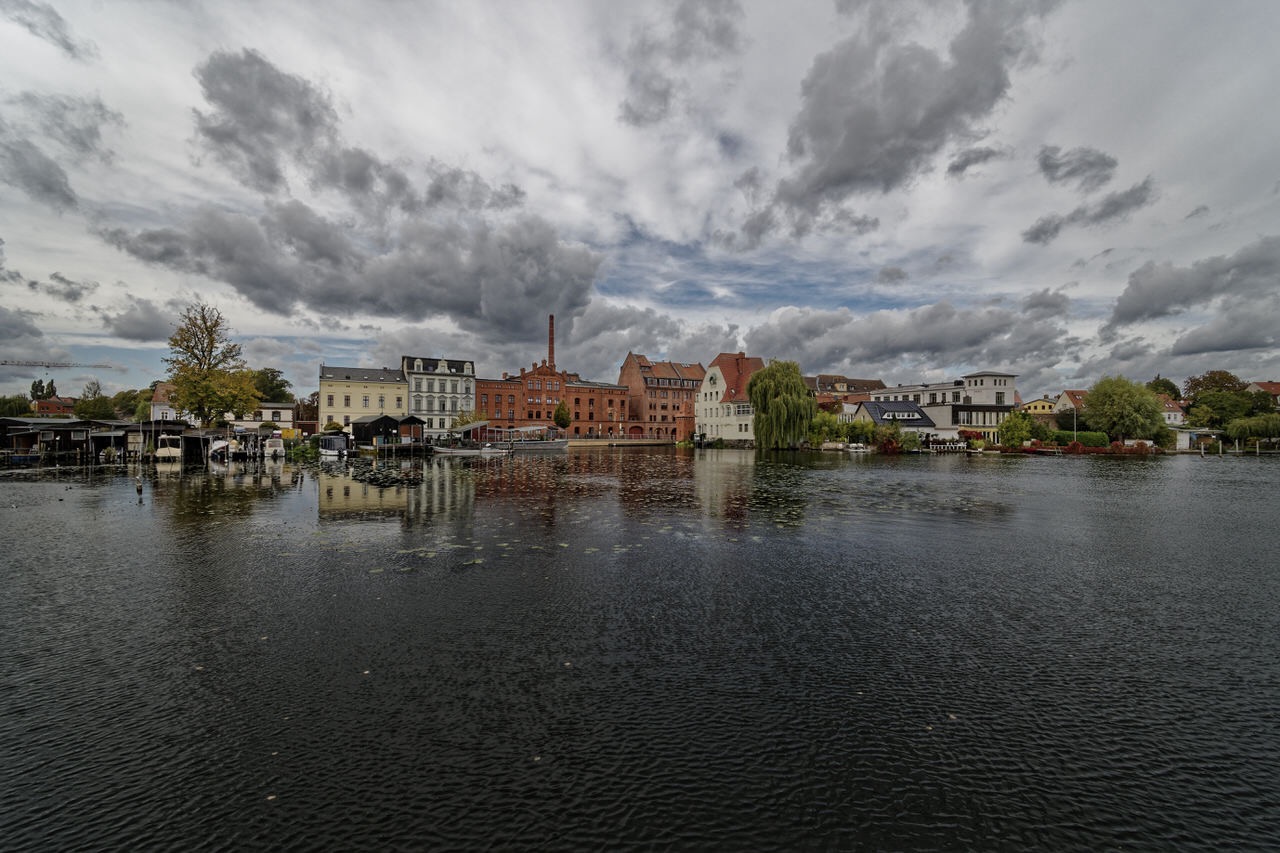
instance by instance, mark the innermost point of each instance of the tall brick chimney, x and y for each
(551, 341)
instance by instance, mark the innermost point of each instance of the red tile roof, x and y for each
(736, 369)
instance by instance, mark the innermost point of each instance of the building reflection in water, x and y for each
(712, 486)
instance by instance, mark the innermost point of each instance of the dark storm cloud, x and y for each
(27, 168)
(1244, 325)
(698, 31)
(1161, 290)
(1088, 168)
(912, 342)
(1111, 207)
(1200, 210)
(439, 257)
(489, 278)
(971, 157)
(43, 21)
(876, 111)
(140, 320)
(62, 288)
(891, 275)
(264, 123)
(260, 114)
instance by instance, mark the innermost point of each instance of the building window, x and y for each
(346, 420)
(399, 403)
(999, 398)
(275, 415)
(346, 401)
(382, 402)
(364, 401)
(329, 401)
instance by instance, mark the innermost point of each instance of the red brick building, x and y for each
(53, 407)
(596, 409)
(661, 396)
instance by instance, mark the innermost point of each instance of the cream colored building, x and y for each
(347, 393)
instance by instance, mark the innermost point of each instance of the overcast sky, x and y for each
(884, 190)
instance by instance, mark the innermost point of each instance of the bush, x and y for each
(1087, 439)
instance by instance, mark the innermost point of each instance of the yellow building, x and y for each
(347, 393)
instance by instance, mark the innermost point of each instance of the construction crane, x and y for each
(48, 364)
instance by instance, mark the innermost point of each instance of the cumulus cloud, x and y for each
(911, 342)
(487, 277)
(1088, 168)
(698, 31)
(141, 320)
(877, 109)
(457, 249)
(1246, 325)
(1159, 290)
(44, 22)
(1112, 207)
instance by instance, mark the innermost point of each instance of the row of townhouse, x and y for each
(651, 399)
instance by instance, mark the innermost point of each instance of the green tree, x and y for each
(1214, 380)
(1161, 385)
(560, 417)
(15, 406)
(860, 432)
(462, 418)
(92, 405)
(206, 368)
(125, 403)
(1123, 409)
(1016, 428)
(1215, 409)
(272, 386)
(824, 427)
(142, 412)
(1257, 426)
(41, 390)
(783, 407)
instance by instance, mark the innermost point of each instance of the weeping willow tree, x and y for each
(782, 405)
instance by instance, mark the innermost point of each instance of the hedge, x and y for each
(1088, 439)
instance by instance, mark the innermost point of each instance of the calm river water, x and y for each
(645, 649)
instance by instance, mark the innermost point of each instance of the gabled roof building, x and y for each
(723, 409)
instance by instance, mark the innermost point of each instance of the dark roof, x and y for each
(360, 374)
(902, 412)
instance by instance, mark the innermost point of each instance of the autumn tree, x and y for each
(1213, 380)
(783, 407)
(206, 368)
(1123, 409)
(307, 408)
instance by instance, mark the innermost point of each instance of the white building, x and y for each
(722, 410)
(978, 402)
(439, 388)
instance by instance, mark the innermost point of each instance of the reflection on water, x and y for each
(640, 649)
